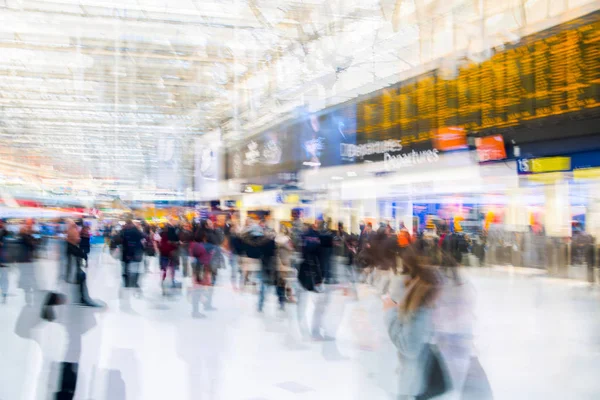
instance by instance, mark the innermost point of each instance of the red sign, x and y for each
(490, 148)
(28, 203)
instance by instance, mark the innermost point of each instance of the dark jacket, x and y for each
(237, 245)
(172, 233)
(364, 239)
(253, 245)
(263, 248)
(28, 246)
(132, 245)
(326, 237)
(3, 250)
(85, 242)
(311, 245)
(212, 237)
(310, 273)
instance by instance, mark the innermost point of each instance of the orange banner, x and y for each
(490, 148)
(451, 138)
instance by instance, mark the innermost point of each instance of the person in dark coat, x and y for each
(3, 260)
(326, 238)
(366, 235)
(74, 273)
(132, 254)
(85, 239)
(260, 246)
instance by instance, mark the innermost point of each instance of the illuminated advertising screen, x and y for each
(206, 163)
(268, 154)
(168, 175)
(323, 138)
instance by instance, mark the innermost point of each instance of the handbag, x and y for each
(437, 378)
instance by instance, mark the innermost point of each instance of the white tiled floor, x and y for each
(536, 338)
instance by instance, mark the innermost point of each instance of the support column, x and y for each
(517, 223)
(592, 216)
(557, 223)
(517, 218)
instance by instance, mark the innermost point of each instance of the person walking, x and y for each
(186, 236)
(106, 233)
(168, 251)
(326, 238)
(235, 252)
(150, 243)
(202, 281)
(74, 273)
(346, 248)
(260, 247)
(410, 327)
(132, 253)
(310, 279)
(85, 240)
(3, 261)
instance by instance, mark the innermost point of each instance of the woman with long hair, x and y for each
(410, 327)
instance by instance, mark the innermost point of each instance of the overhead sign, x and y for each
(392, 162)
(571, 162)
(451, 138)
(252, 188)
(543, 165)
(490, 148)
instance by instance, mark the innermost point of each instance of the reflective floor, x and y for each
(535, 337)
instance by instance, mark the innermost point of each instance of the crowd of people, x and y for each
(299, 259)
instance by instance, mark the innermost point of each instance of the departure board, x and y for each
(553, 72)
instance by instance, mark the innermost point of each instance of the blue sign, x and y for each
(588, 159)
(230, 203)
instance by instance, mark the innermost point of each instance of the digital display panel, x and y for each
(552, 72)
